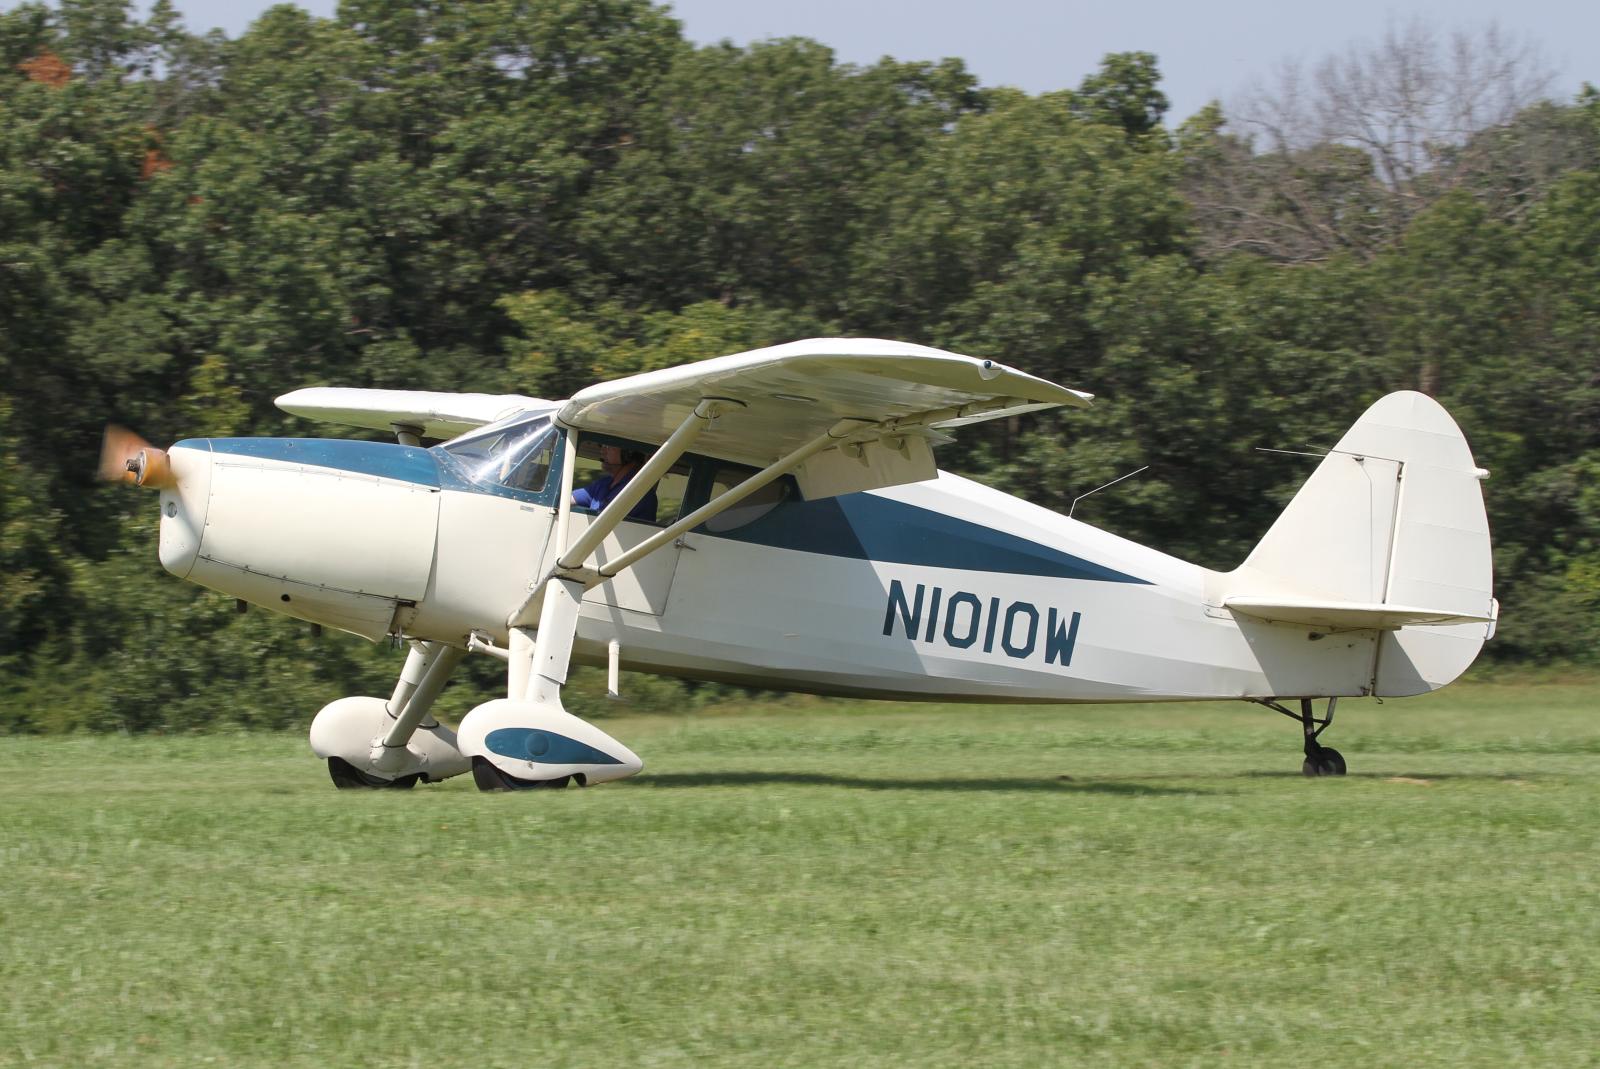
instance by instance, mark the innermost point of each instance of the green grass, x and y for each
(821, 885)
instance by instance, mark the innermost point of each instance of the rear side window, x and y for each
(752, 508)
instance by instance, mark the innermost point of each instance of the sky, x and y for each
(1205, 50)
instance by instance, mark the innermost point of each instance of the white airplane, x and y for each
(790, 530)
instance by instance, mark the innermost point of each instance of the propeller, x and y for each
(126, 457)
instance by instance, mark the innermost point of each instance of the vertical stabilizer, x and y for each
(1392, 517)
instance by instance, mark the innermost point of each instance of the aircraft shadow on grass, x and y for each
(1034, 784)
(1412, 776)
(818, 779)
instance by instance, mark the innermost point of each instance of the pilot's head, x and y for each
(614, 458)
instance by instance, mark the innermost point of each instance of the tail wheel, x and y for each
(348, 777)
(490, 778)
(1325, 762)
(1320, 760)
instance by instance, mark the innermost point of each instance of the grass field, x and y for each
(829, 885)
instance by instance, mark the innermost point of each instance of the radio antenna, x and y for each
(1097, 489)
(1288, 452)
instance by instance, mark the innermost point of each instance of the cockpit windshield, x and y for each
(513, 453)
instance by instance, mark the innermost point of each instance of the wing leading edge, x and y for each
(435, 415)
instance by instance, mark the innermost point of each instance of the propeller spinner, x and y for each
(126, 457)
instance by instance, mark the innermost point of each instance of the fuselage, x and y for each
(943, 589)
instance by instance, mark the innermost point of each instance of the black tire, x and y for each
(490, 778)
(347, 777)
(1325, 761)
(1332, 762)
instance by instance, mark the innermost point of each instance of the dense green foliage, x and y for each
(527, 196)
(836, 885)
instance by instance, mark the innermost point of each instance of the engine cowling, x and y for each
(339, 533)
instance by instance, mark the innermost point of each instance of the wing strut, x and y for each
(539, 661)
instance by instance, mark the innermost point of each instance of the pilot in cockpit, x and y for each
(619, 466)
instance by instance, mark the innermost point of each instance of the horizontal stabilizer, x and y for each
(1345, 615)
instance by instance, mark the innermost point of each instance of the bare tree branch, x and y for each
(1343, 153)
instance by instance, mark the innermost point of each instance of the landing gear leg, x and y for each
(1320, 760)
(395, 744)
(526, 740)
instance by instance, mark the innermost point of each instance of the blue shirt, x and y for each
(598, 494)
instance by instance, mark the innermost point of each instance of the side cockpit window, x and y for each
(514, 454)
(602, 461)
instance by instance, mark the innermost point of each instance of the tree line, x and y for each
(518, 196)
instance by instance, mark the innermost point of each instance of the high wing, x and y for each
(893, 399)
(432, 415)
(777, 399)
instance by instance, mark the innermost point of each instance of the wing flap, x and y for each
(1348, 615)
(437, 415)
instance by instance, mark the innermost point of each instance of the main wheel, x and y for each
(348, 777)
(490, 778)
